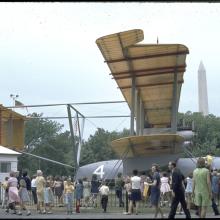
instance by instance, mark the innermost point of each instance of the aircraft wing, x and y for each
(152, 65)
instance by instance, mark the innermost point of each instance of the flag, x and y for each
(17, 103)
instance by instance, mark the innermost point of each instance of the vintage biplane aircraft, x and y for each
(150, 77)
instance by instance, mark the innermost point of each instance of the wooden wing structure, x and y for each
(150, 77)
(11, 129)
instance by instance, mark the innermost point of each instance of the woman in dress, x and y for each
(24, 196)
(201, 190)
(155, 190)
(13, 192)
(165, 189)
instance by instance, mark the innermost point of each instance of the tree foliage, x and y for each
(44, 138)
(207, 132)
(98, 146)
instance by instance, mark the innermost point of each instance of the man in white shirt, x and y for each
(34, 189)
(104, 191)
(135, 192)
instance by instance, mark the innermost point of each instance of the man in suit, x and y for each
(178, 191)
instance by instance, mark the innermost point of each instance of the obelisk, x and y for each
(202, 86)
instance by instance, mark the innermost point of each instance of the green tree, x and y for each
(44, 138)
(98, 146)
(207, 132)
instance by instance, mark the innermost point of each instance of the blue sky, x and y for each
(49, 55)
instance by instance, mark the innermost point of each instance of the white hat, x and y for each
(39, 172)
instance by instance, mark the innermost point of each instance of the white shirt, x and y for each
(135, 182)
(104, 190)
(33, 183)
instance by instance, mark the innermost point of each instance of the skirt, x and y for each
(58, 191)
(165, 187)
(155, 197)
(24, 196)
(13, 194)
(48, 196)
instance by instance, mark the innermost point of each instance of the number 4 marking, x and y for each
(99, 171)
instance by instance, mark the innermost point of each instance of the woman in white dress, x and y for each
(165, 189)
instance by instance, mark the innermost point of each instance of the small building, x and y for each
(12, 129)
(8, 161)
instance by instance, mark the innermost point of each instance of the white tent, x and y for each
(5, 150)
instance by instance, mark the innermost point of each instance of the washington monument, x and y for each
(202, 86)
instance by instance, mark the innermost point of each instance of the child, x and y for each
(104, 190)
(68, 195)
(165, 189)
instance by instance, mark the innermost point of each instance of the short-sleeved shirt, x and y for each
(33, 183)
(135, 182)
(104, 190)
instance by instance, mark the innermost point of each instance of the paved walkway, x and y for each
(60, 213)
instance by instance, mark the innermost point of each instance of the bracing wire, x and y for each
(190, 154)
(46, 159)
(120, 123)
(124, 154)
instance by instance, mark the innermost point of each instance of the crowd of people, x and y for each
(198, 190)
